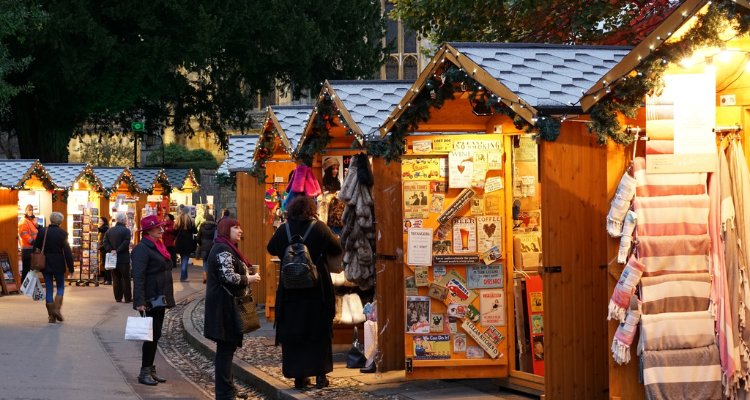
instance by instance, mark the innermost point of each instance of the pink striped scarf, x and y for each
(656, 185)
(672, 215)
(674, 254)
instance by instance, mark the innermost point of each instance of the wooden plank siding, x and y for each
(249, 212)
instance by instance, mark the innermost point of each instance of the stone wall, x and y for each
(223, 197)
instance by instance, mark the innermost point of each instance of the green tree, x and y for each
(534, 21)
(17, 17)
(107, 151)
(175, 156)
(180, 65)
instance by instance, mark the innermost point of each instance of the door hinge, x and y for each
(385, 257)
(409, 366)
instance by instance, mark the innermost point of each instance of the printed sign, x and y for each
(421, 146)
(416, 199)
(436, 325)
(490, 229)
(530, 221)
(459, 203)
(477, 205)
(441, 247)
(472, 314)
(529, 243)
(474, 352)
(420, 169)
(481, 340)
(412, 223)
(484, 276)
(493, 184)
(492, 306)
(441, 232)
(458, 292)
(480, 161)
(456, 310)
(436, 205)
(432, 347)
(494, 335)
(491, 204)
(491, 255)
(421, 275)
(437, 292)
(438, 187)
(455, 259)
(495, 160)
(442, 144)
(417, 314)
(537, 324)
(478, 145)
(438, 273)
(411, 286)
(419, 247)
(537, 304)
(452, 327)
(461, 169)
(526, 150)
(459, 343)
(464, 235)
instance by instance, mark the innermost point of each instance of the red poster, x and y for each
(536, 323)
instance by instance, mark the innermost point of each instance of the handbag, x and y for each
(355, 357)
(245, 314)
(140, 327)
(157, 302)
(38, 259)
(110, 261)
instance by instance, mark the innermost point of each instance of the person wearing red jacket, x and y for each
(27, 231)
(168, 237)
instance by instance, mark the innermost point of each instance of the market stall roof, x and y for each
(182, 178)
(241, 148)
(66, 175)
(290, 121)
(224, 167)
(530, 78)
(15, 173)
(148, 178)
(364, 105)
(111, 176)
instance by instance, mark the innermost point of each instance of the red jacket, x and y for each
(168, 236)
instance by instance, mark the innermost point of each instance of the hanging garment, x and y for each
(620, 204)
(672, 331)
(625, 288)
(624, 337)
(682, 374)
(627, 237)
(358, 232)
(673, 293)
(672, 215)
(656, 185)
(674, 254)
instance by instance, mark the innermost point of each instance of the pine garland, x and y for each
(326, 111)
(264, 151)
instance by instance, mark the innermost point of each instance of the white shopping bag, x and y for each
(140, 327)
(39, 293)
(29, 283)
(110, 261)
(371, 341)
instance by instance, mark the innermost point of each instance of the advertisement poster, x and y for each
(442, 144)
(480, 161)
(494, 335)
(411, 286)
(420, 169)
(484, 276)
(419, 247)
(455, 259)
(459, 343)
(438, 272)
(441, 247)
(464, 235)
(438, 187)
(530, 221)
(537, 324)
(478, 145)
(495, 160)
(437, 292)
(436, 326)
(417, 199)
(436, 205)
(493, 184)
(441, 232)
(537, 304)
(491, 255)
(477, 205)
(474, 352)
(417, 314)
(526, 151)
(458, 291)
(412, 223)
(472, 314)
(458, 203)
(461, 169)
(490, 230)
(421, 275)
(421, 146)
(492, 307)
(538, 348)
(481, 340)
(452, 327)
(491, 204)
(456, 310)
(432, 347)
(529, 243)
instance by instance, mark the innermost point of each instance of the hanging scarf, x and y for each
(222, 236)
(159, 246)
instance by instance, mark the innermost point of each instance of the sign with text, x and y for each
(482, 276)
(419, 251)
(481, 340)
(455, 259)
(461, 200)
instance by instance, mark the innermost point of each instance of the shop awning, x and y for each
(66, 176)
(289, 122)
(15, 173)
(182, 178)
(148, 178)
(241, 148)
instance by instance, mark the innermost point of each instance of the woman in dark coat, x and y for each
(150, 259)
(184, 229)
(304, 317)
(206, 235)
(102, 229)
(228, 275)
(57, 256)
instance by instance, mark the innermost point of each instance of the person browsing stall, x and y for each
(57, 257)
(117, 241)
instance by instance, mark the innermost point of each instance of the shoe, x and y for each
(58, 306)
(50, 313)
(145, 377)
(301, 383)
(369, 370)
(204, 277)
(321, 382)
(128, 301)
(184, 280)
(107, 284)
(156, 377)
(238, 395)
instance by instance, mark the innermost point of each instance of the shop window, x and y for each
(391, 68)
(410, 68)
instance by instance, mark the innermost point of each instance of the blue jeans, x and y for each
(184, 258)
(205, 261)
(60, 279)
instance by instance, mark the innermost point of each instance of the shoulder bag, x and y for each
(355, 357)
(38, 259)
(245, 314)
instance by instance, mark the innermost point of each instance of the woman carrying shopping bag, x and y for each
(53, 242)
(150, 258)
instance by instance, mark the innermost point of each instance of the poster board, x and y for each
(9, 277)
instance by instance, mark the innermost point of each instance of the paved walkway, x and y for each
(84, 357)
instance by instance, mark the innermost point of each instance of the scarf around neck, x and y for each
(160, 246)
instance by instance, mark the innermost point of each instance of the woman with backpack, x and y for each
(304, 317)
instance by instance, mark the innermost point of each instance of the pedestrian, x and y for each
(228, 275)
(206, 235)
(150, 259)
(103, 228)
(117, 241)
(27, 230)
(304, 317)
(57, 255)
(224, 214)
(168, 237)
(184, 229)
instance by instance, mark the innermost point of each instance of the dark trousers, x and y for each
(149, 348)
(121, 282)
(25, 262)
(223, 370)
(103, 271)
(172, 255)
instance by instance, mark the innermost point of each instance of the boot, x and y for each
(58, 306)
(145, 377)
(50, 313)
(301, 383)
(204, 276)
(321, 382)
(156, 377)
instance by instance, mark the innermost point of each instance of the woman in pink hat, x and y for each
(150, 260)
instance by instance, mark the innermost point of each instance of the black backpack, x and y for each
(297, 268)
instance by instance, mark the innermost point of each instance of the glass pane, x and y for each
(391, 32)
(410, 41)
(410, 68)
(268, 99)
(377, 74)
(391, 69)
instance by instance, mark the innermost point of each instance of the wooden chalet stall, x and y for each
(22, 182)
(155, 189)
(347, 112)
(184, 184)
(120, 193)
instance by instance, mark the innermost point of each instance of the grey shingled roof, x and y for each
(224, 167)
(370, 102)
(241, 149)
(292, 120)
(544, 75)
(145, 177)
(108, 175)
(176, 176)
(12, 171)
(64, 175)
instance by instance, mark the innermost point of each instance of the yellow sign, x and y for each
(442, 144)
(420, 169)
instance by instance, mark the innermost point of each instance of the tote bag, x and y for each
(140, 327)
(110, 262)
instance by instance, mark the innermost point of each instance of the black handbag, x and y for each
(157, 303)
(355, 357)
(245, 314)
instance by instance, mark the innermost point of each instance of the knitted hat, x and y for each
(272, 198)
(330, 161)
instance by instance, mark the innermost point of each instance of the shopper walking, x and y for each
(304, 317)
(206, 235)
(27, 232)
(184, 229)
(57, 256)
(150, 259)
(168, 237)
(117, 241)
(228, 276)
(103, 228)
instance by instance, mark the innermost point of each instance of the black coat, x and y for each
(118, 238)
(56, 250)
(306, 315)
(206, 235)
(184, 242)
(102, 233)
(149, 272)
(218, 322)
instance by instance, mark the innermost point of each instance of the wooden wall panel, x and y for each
(249, 201)
(9, 228)
(574, 177)
(62, 208)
